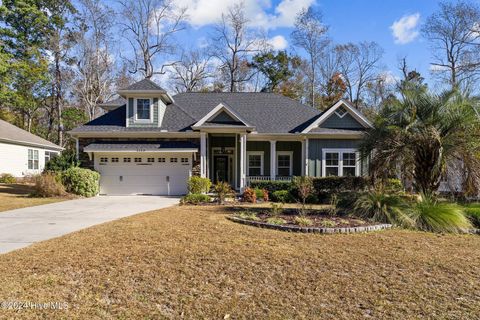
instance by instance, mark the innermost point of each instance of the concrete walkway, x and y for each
(21, 227)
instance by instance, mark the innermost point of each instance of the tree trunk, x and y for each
(428, 164)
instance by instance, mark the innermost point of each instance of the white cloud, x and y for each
(205, 12)
(278, 42)
(405, 29)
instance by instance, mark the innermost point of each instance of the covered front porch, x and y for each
(240, 158)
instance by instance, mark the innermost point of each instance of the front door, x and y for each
(220, 168)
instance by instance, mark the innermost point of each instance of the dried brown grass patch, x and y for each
(191, 262)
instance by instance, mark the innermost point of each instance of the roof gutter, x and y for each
(32, 144)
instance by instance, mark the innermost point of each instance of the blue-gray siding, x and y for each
(347, 122)
(131, 116)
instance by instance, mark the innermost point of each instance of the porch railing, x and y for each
(251, 179)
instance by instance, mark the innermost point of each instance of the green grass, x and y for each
(472, 211)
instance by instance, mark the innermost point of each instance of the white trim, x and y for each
(217, 110)
(305, 164)
(136, 120)
(303, 158)
(354, 112)
(243, 164)
(340, 152)
(283, 153)
(203, 154)
(339, 115)
(273, 152)
(179, 150)
(255, 153)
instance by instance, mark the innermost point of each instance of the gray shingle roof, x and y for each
(139, 145)
(267, 112)
(15, 135)
(145, 85)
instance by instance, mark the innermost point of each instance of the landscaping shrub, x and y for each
(258, 193)
(62, 162)
(283, 196)
(248, 215)
(249, 195)
(385, 208)
(7, 178)
(195, 198)
(277, 209)
(472, 211)
(321, 191)
(328, 223)
(83, 182)
(271, 186)
(199, 185)
(222, 190)
(393, 185)
(346, 200)
(303, 221)
(265, 195)
(48, 185)
(432, 215)
(276, 221)
(304, 187)
(340, 184)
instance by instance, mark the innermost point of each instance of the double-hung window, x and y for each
(32, 159)
(255, 164)
(143, 109)
(49, 155)
(284, 163)
(340, 163)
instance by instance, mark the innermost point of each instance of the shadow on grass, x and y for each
(16, 189)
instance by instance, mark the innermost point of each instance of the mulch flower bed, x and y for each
(316, 222)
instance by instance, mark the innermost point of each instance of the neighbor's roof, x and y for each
(14, 135)
(144, 85)
(267, 112)
(144, 146)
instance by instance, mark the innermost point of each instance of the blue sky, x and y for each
(349, 21)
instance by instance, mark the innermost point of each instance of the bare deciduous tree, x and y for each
(149, 26)
(310, 35)
(454, 33)
(359, 65)
(191, 72)
(233, 43)
(94, 63)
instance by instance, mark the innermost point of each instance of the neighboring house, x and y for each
(150, 142)
(23, 153)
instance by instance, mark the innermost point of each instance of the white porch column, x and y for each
(273, 159)
(305, 160)
(203, 154)
(243, 161)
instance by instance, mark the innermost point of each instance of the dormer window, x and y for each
(143, 109)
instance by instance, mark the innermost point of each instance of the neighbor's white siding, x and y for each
(14, 159)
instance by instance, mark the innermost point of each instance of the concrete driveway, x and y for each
(21, 227)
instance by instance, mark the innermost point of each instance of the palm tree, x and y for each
(421, 133)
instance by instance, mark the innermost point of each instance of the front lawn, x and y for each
(190, 262)
(15, 196)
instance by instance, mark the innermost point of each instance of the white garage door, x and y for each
(156, 174)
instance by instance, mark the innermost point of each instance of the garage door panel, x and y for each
(133, 178)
